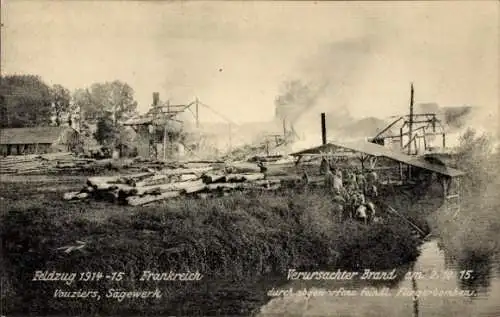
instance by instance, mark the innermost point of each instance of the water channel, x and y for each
(446, 289)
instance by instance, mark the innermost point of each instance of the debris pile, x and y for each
(202, 181)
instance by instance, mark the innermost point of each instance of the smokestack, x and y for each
(323, 127)
(156, 98)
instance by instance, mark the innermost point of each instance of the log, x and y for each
(126, 179)
(154, 180)
(213, 178)
(194, 189)
(188, 177)
(224, 186)
(55, 156)
(101, 180)
(87, 189)
(266, 182)
(243, 167)
(284, 178)
(75, 195)
(180, 171)
(137, 201)
(140, 191)
(244, 177)
(230, 186)
(131, 179)
(82, 195)
(70, 195)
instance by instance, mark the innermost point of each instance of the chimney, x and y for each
(156, 98)
(323, 128)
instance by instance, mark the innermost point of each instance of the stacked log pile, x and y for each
(28, 164)
(158, 185)
(69, 162)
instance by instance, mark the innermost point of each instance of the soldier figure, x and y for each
(351, 181)
(329, 181)
(361, 180)
(372, 182)
(324, 166)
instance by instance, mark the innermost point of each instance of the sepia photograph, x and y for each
(250, 158)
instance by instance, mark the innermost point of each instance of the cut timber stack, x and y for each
(30, 164)
(152, 186)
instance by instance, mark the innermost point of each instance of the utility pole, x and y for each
(410, 132)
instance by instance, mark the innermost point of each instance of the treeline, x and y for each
(27, 101)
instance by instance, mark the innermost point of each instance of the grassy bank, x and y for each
(471, 238)
(232, 241)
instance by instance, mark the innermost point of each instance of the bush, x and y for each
(473, 235)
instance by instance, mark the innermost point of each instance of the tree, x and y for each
(61, 100)
(106, 133)
(25, 101)
(115, 98)
(475, 155)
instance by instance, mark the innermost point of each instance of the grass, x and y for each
(233, 241)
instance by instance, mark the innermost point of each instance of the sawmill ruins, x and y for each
(171, 161)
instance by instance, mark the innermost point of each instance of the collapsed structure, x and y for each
(162, 133)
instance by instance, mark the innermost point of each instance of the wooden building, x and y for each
(19, 141)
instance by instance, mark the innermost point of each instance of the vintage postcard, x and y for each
(249, 158)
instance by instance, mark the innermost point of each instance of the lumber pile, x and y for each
(37, 163)
(159, 185)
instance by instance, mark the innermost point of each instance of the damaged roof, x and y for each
(380, 151)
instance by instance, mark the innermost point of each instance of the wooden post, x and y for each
(165, 142)
(410, 132)
(401, 138)
(444, 181)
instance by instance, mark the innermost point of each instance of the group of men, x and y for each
(350, 188)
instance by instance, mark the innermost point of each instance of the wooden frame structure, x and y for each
(370, 153)
(161, 117)
(427, 124)
(413, 127)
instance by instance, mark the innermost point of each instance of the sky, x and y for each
(235, 56)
